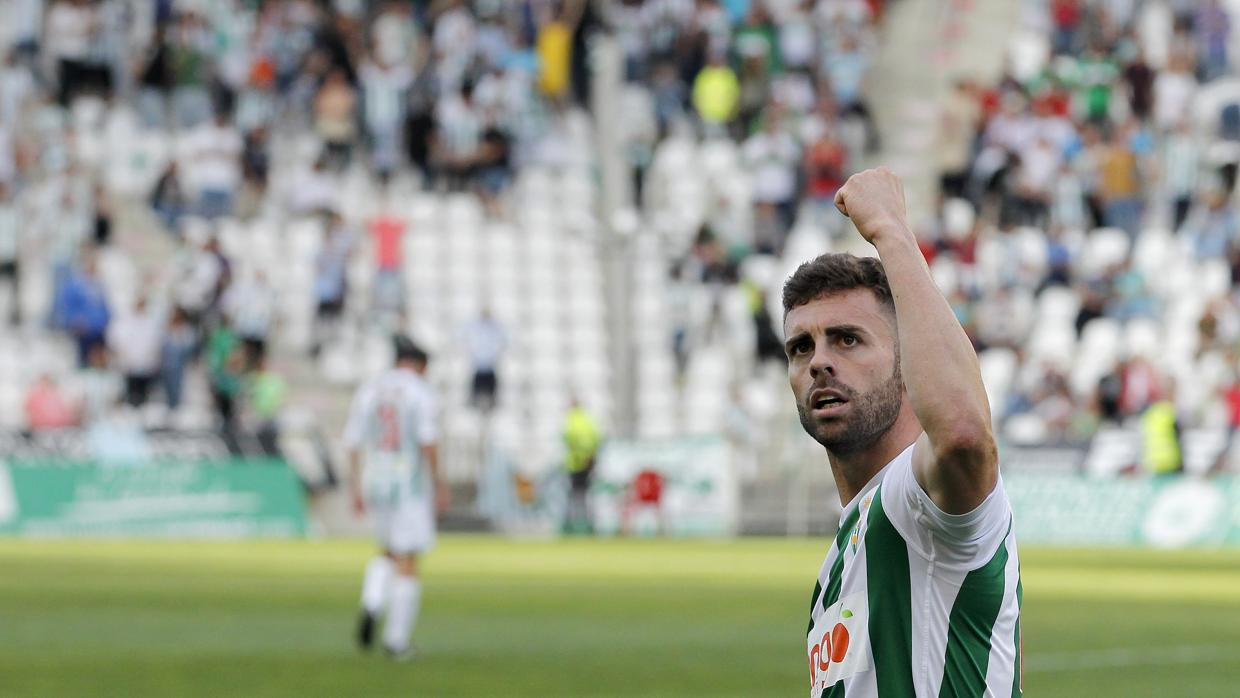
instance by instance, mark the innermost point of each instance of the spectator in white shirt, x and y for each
(136, 339)
(1068, 200)
(314, 191)
(98, 386)
(251, 305)
(1173, 93)
(454, 42)
(214, 165)
(384, 94)
(486, 341)
(1035, 177)
(17, 88)
(771, 157)
(69, 32)
(458, 137)
(335, 120)
(198, 281)
(1180, 162)
(394, 34)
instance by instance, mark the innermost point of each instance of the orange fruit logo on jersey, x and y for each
(832, 648)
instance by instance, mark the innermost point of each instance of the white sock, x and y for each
(375, 583)
(402, 613)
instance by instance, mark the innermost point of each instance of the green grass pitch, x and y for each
(573, 618)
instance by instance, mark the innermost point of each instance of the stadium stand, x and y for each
(1086, 231)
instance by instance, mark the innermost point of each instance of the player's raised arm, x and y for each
(955, 460)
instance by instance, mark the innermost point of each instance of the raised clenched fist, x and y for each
(874, 200)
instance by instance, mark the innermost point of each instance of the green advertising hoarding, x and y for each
(229, 499)
(1164, 512)
(701, 494)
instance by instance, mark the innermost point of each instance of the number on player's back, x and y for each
(388, 415)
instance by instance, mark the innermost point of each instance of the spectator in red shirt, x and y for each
(824, 163)
(1231, 398)
(1066, 15)
(47, 407)
(1140, 386)
(387, 231)
(1231, 395)
(824, 167)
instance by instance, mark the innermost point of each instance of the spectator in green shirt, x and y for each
(1096, 77)
(267, 393)
(225, 365)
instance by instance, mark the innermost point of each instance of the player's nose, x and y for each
(821, 362)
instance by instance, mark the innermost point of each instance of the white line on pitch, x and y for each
(1130, 656)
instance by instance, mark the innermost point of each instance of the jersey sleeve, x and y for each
(355, 428)
(962, 539)
(426, 425)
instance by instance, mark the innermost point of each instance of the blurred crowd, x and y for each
(461, 94)
(1119, 115)
(784, 79)
(1107, 119)
(1116, 115)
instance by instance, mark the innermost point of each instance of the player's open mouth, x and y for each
(826, 403)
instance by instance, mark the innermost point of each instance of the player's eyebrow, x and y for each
(792, 341)
(830, 331)
(836, 330)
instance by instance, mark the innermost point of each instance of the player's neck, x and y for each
(853, 471)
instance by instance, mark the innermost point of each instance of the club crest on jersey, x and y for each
(839, 643)
(856, 532)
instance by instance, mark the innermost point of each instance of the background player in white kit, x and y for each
(394, 473)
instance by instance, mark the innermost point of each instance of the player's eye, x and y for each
(850, 340)
(800, 348)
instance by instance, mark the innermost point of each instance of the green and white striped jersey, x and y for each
(912, 601)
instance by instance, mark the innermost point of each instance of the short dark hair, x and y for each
(835, 272)
(407, 350)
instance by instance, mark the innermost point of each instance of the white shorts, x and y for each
(406, 527)
(404, 522)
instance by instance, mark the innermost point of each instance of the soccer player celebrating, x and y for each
(391, 439)
(920, 593)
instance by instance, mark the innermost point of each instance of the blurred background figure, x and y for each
(136, 339)
(10, 252)
(331, 279)
(386, 232)
(82, 307)
(169, 200)
(1161, 435)
(392, 436)
(225, 358)
(215, 166)
(486, 341)
(47, 406)
(267, 391)
(180, 343)
(249, 306)
(582, 440)
(334, 108)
